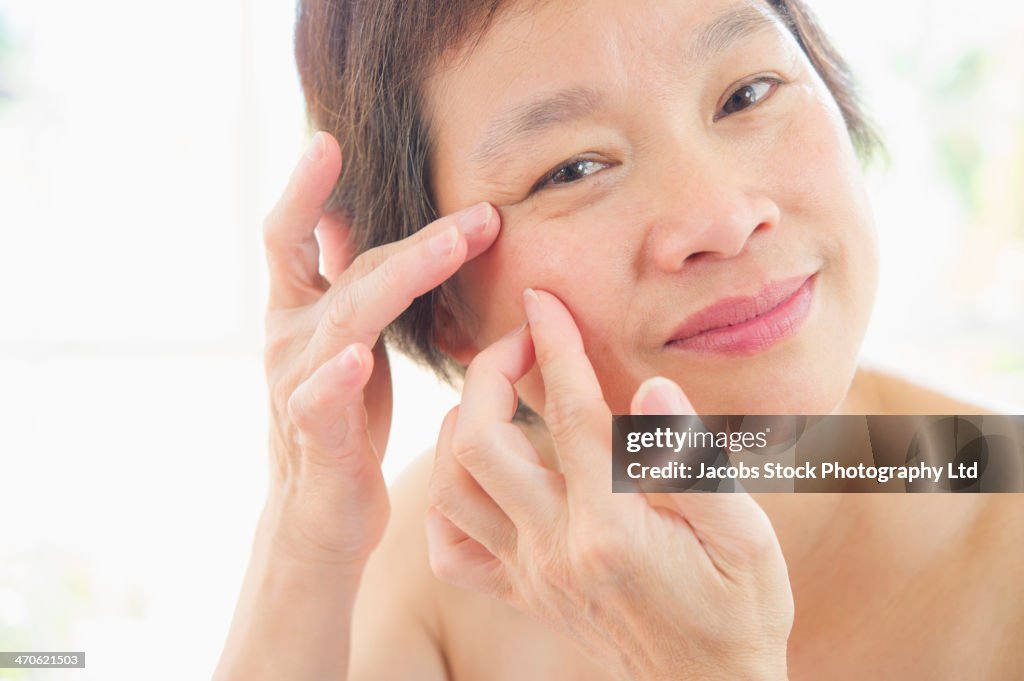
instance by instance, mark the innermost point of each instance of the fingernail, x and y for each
(532, 304)
(473, 220)
(661, 396)
(350, 361)
(316, 148)
(443, 244)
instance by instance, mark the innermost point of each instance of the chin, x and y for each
(785, 388)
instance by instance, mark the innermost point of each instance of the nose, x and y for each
(708, 211)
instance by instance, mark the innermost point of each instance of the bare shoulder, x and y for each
(902, 394)
(400, 566)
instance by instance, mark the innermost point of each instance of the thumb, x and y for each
(733, 528)
(660, 396)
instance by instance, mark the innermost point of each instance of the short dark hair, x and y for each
(362, 63)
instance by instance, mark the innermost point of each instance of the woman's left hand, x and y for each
(694, 587)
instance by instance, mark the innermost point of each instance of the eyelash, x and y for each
(549, 179)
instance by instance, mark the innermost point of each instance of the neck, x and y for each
(865, 395)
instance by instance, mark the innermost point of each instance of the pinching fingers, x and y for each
(492, 449)
(574, 408)
(459, 497)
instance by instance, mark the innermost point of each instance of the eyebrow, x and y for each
(729, 27)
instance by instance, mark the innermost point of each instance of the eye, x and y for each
(748, 95)
(571, 172)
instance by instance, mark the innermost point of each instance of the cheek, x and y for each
(582, 260)
(815, 171)
(526, 254)
(578, 262)
(811, 158)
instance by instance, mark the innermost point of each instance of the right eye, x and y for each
(748, 96)
(570, 172)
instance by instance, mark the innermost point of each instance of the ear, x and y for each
(451, 338)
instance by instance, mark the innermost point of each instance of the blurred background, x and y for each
(140, 146)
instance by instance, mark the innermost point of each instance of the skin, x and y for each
(330, 402)
(687, 211)
(522, 535)
(678, 208)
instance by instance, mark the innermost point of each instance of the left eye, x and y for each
(573, 171)
(748, 96)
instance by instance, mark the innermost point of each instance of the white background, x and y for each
(140, 146)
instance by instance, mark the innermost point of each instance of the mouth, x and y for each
(746, 325)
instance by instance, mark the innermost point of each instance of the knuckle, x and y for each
(344, 307)
(388, 274)
(758, 542)
(305, 405)
(478, 367)
(441, 491)
(470, 449)
(364, 262)
(605, 560)
(568, 414)
(596, 555)
(327, 440)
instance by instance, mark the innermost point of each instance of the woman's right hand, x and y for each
(330, 402)
(329, 380)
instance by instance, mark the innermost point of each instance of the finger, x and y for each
(336, 250)
(574, 409)
(493, 450)
(457, 495)
(488, 392)
(327, 410)
(458, 559)
(731, 527)
(383, 282)
(478, 223)
(660, 396)
(288, 232)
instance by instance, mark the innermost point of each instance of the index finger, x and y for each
(384, 281)
(574, 408)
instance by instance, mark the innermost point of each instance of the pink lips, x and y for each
(748, 324)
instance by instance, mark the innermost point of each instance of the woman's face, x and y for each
(653, 162)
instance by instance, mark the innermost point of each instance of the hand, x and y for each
(684, 586)
(330, 396)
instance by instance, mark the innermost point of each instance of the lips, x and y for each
(744, 324)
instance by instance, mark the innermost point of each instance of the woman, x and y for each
(662, 195)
